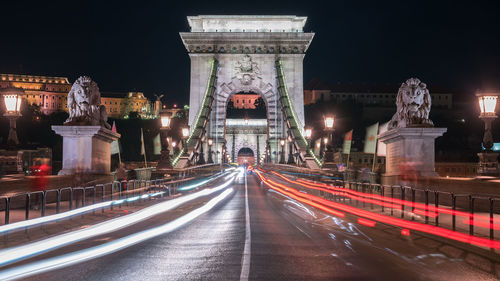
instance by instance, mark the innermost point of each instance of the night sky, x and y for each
(136, 46)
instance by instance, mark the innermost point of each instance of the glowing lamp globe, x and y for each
(210, 141)
(282, 142)
(329, 122)
(13, 98)
(308, 133)
(185, 132)
(165, 121)
(487, 104)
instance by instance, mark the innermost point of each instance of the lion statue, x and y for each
(84, 104)
(413, 106)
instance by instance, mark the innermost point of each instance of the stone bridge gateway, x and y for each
(246, 54)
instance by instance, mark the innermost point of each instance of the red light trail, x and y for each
(316, 201)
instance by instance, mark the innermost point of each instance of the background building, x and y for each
(244, 101)
(49, 93)
(365, 94)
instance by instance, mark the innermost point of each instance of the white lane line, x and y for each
(245, 261)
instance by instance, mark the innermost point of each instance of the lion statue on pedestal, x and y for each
(84, 104)
(413, 106)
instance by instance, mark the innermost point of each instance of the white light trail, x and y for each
(67, 214)
(11, 255)
(193, 186)
(110, 247)
(82, 210)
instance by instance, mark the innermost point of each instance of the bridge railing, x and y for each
(29, 205)
(473, 214)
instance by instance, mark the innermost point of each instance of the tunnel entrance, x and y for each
(246, 156)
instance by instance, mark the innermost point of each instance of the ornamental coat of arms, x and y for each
(246, 70)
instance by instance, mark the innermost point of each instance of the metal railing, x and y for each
(28, 205)
(473, 214)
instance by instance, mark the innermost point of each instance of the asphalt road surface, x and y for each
(276, 239)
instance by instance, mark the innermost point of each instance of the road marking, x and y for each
(245, 261)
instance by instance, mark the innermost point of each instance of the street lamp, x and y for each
(308, 135)
(210, 159)
(164, 162)
(291, 160)
(268, 152)
(12, 99)
(329, 124)
(175, 147)
(282, 155)
(488, 160)
(201, 159)
(185, 135)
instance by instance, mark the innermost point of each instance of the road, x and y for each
(258, 234)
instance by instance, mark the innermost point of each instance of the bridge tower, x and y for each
(246, 54)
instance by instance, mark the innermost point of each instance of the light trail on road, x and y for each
(110, 247)
(68, 214)
(86, 209)
(328, 205)
(18, 253)
(419, 208)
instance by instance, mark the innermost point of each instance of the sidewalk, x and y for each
(14, 184)
(76, 222)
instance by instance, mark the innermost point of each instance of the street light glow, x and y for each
(185, 132)
(165, 121)
(329, 122)
(487, 104)
(12, 102)
(308, 133)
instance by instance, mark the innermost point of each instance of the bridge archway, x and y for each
(225, 62)
(246, 156)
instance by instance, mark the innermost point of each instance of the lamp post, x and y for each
(210, 159)
(185, 135)
(308, 135)
(164, 162)
(223, 154)
(282, 152)
(12, 99)
(291, 160)
(268, 153)
(488, 160)
(329, 124)
(175, 147)
(201, 158)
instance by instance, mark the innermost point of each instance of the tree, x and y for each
(259, 104)
(230, 104)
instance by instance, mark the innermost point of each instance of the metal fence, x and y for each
(474, 214)
(29, 205)
(482, 210)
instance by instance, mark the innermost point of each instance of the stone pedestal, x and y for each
(488, 164)
(86, 149)
(410, 150)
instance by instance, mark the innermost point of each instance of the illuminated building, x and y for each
(50, 93)
(244, 101)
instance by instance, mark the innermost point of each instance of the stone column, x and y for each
(86, 149)
(410, 150)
